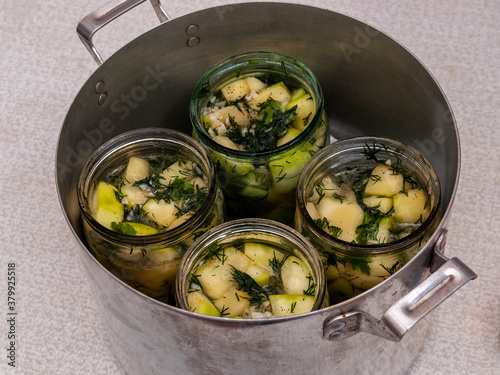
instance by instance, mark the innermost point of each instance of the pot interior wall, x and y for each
(372, 85)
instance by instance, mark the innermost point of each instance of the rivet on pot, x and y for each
(99, 87)
(193, 41)
(336, 336)
(102, 98)
(192, 30)
(337, 326)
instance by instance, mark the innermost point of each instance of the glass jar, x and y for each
(353, 267)
(260, 183)
(269, 253)
(147, 262)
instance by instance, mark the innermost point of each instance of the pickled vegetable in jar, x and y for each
(251, 269)
(257, 114)
(148, 194)
(145, 196)
(368, 205)
(261, 116)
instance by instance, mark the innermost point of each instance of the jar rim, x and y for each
(246, 58)
(249, 226)
(137, 137)
(359, 249)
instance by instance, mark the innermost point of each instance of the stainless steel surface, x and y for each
(372, 85)
(104, 15)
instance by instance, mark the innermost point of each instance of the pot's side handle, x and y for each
(405, 313)
(94, 21)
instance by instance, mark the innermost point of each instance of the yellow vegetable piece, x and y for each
(105, 206)
(261, 254)
(291, 134)
(200, 304)
(304, 111)
(291, 304)
(142, 229)
(160, 212)
(295, 276)
(342, 214)
(278, 92)
(233, 302)
(384, 181)
(133, 195)
(412, 207)
(235, 90)
(137, 169)
(383, 204)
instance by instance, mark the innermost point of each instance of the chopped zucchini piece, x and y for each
(304, 111)
(384, 181)
(164, 255)
(285, 170)
(278, 92)
(214, 278)
(232, 166)
(259, 274)
(297, 94)
(234, 302)
(235, 90)
(137, 169)
(296, 276)
(342, 214)
(179, 169)
(313, 212)
(200, 304)
(181, 220)
(255, 84)
(225, 141)
(291, 304)
(256, 183)
(142, 229)
(383, 204)
(384, 229)
(160, 212)
(261, 254)
(236, 259)
(412, 206)
(105, 205)
(133, 195)
(291, 134)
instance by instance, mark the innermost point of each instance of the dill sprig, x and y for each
(277, 264)
(161, 162)
(332, 230)
(362, 265)
(311, 288)
(218, 252)
(394, 268)
(263, 133)
(245, 283)
(368, 230)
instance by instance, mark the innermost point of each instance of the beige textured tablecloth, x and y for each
(42, 67)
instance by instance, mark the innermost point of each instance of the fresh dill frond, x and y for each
(311, 288)
(245, 283)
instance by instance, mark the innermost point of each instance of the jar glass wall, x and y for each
(251, 269)
(148, 233)
(363, 231)
(259, 175)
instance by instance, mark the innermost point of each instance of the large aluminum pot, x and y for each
(372, 86)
